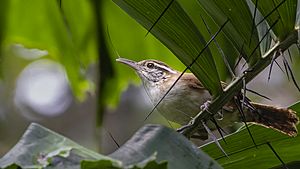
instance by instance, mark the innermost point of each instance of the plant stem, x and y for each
(235, 87)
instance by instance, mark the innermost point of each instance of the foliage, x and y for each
(55, 30)
(42, 148)
(246, 35)
(242, 151)
(257, 31)
(186, 45)
(255, 62)
(133, 34)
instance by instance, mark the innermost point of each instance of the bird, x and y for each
(188, 96)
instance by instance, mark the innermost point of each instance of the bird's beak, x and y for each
(128, 62)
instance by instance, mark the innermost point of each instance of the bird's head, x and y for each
(150, 71)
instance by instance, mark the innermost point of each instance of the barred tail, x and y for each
(281, 119)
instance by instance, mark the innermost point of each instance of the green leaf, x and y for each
(148, 163)
(169, 145)
(40, 147)
(231, 53)
(171, 30)
(242, 152)
(13, 166)
(296, 107)
(264, 36)
(290, 165)
(153, 146)
(239, 29)
(286, 12)
(98, 164)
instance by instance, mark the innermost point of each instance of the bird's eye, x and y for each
(150, 65)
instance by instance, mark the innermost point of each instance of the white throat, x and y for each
(153, 91)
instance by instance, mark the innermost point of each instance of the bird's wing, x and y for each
(192, 81)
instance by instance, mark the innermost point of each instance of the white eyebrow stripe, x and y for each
(165, 68)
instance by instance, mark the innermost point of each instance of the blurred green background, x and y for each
(58, 69)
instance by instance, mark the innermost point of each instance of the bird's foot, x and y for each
(205, 105)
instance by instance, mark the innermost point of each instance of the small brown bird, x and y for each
(184, 100)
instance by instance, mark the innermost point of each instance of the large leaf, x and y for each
(170, 146)
(40, 147)
(264, 36)
(242, 152)
(228, 50)
(152, 146)
(176, 30)
(239, 30)
(286, 10)
(148, 163)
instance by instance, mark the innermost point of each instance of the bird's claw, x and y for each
(183, 128)
(205, 105)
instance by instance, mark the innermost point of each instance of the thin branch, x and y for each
(235, 86)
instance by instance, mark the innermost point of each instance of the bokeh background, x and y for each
(51, 53)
